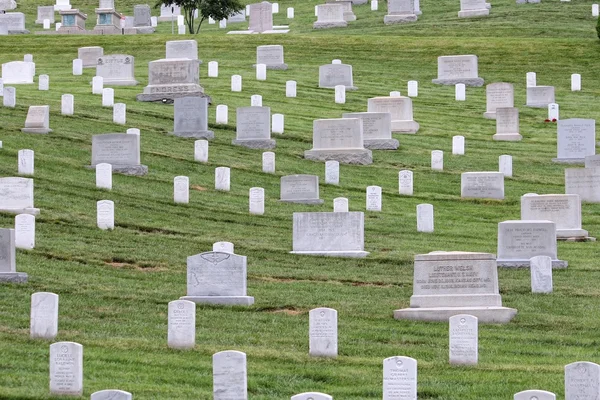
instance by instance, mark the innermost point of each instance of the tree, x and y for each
(598, 27)
(215, 9)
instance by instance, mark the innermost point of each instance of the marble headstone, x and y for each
(191, 118)
(339, 139)
(323, 332)
(458, 69)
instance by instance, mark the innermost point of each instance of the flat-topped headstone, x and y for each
(323, 332)
(451, 283)
(576, 140)
(120, 150)
(534, 394)
(116, 69)
(38, 120)
(181, 189)
(340, 204)
(473, 8)
(312, 396)
(261, 17)
(458, 69)
(217, 278)
(562, 209)
(400, 109)
(373, 198)
(303, 189)
(329, 234)
(585, 182)
(377, 130)
(171, 78)
(253, 128)
(541, 274)
(223, 247)
(66, 368)
(520, 240)
(400, 12)
(8, 265)
(45, 12)
(268, 162)
(44, 316)
(271, 56)
(458, 145)
(191, 118)
(498, 95)
(482, 185)
(339, 139)
(90, 55)
(230, 375)
(399, 378)
(507, 124)
(582, 381)
(425, 221)
(540, 96)
(330, 15)
(182, 49)
(332, 75)
(505, 165)
(405, 182)
(17, 72)
(111, 394)
(464, 337)
(142, 18)
(25, 231)
(222, 179)
(182, 324)
(25, 162)
(16, 196)
(15, 22)
(104, 176)
(347, 7)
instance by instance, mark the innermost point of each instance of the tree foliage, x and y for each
(598, 27)
(215, 9)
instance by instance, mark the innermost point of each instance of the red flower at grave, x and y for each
(553, 119)
(546, 120)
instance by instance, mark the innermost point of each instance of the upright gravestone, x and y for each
(120, 150)
(323, 332)
(9, 97)
(217, 278)
(201, 151)
(425, 221)
(25, 162)
(15, 21)
(541, 274)
(473, 8)
(253, 129)
(377, 130)
(400, 12)
(312, 396)
(223, 247)
(534, 394)
(400, 109)
(507, 124)
(332, 172)
(340, 204)
(44, 316)
(16, 196)
(116, 70)
(191, 118)
(261, 17)
(458, 69)
(436, 301)
(329, 234)
(271, 56)
(399, 378)
(303, 189)
(25, 231)
(111, 394)
(8, 266)
(38, 120)
(169, 13)
(437, 160)
(562, 209)
(582, 381)
(181, 189)
(222, 179)
(44, 12)
(482, 185)
(182, 324)
(464, 336)
(330, 15)
(458, 145)
(90, 55)
(230, 376)
(339, 139)
(142, 18)
(332, 75)
(104, 176)
(66, 369)
(540, 96)
(256, 201)
(585, 182)
(171, 78)
(268, 162)
(373, 198)
(105, 214)
(576, 140)
(182, 49)
(498, 95)
(405, 182)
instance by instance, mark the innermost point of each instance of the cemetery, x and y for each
(305, 200)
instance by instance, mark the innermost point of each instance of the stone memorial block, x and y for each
(562, 209)
(290, 13)
(271, 56)
(592, 161)
(256, 201)
(405, 182)
(303, 189)
(17, 72)
(507, 124)
(182, 49)
(458, 145)
(473, 8)
(108, 97)
(482, 185)
(44, 316)
(277, 123)
(576, 140)
(290, 88)
(120, 150)
(332, 172)
(261, 17)
(104, 176)
(73, 21)
(437, 160)
(585, 182)
(340, 204)
(498, 95)
(142, 18)
(77, 67)
(519, 241)
(97, 85)
(25, 162)
(312, 396)
(15, 22)
(541, 274)
(413, 88)
(540, 96)
(373, 198)
(38, 120)
(237, 17)
(505, 165)
(401, 111)
(25, 231)
(90, 55)
(201, 151)
(222, 178)
(169, 13)
(120, 113)
(9, 97)
(182, 324)
(339, 139)
(464, 336)
(329, 234)
(332, 75)
(458, 69)
(45, 12)
(105, 214)
(8, 264)
(582, 381)
(451, 283)
(7, 5)
(223, 247)
(111, 394)
(230, 375)
(66, 368)
(191, 118)
(16, 196)
(399, 378)
(268, 162)
(400, 11)
(377, 130)
(181, 189)
(575, 82)
(254, 128)
(348, 14)
(62, 5)
(534, 394)
(330, 15)
(217, 278)
(67, 106)
(172, 78)
(323, 332)
(425, 218)
(116, 69)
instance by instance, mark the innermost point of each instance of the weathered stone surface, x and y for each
(458, 69)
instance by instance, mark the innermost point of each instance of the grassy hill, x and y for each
(114, 286)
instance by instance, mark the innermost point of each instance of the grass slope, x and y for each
(114, 286)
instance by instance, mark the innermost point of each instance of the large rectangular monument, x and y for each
(339, 139)
(120, 150)
(458, 69)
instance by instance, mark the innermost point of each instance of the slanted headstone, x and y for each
(340, 204)
(256, 201)
(400, 12)
(261, 17)
(399, 378)
(405, 182)
(464, 337)
(191, 118)
(25, 162)
(116, 69)
(520, 240)
(498, 95)
(271, 56)
(254, 128)
(540, 96)
(312, 396)
(66, 368)
(582, 381)
(329, 234)
(201, 151)
(440, 289)
(400, 109)
(473, 8)
(111, 394)
(89, 55)
(182, 325)
(541, 274)
(585, 182)
(38, 120)
(425, 218)
(303, 189)
(332, 75)
(16, 196)
(120, 150)
(562, 209)
(330, 15)
(323, 332)
(576, 140)
(482, 185)
(458, 69)
(17, 72)
(373, 198)
(534, 394)
(25, 231)
(507, 124)
(222, 178)
(230, 375)
(182, 49)
(217, 278)
(44, 316)
(332, 172)
(458, 145)
(268, 162)
(377, 130)
(8, 264)
(339, 139)
(505, 165)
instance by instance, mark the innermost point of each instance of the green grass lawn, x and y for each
(114, 286)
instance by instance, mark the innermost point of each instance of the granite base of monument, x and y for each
(195, 135)
(537, 105)
(381, 144)
(327, 25)
(512, 263)
(17, 211)
(13, 277)
(574, 235)
(280, 67)
(123, 82)
(489, 115)
(490, 315)
(304, 201)
(132, 170)
(145, 29)
(341, 254)
(477, 82)
(507, 137)
(399, 19)
(474, 13)
(569, 160)
(169, 98)
(355, 156)
(255, 143)
(221, 300)
(41, 131)
(408, 126)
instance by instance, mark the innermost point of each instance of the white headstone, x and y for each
(290, 13)
(425, 218)
(133, 131)
(290, 89)
(374, 5)
(437, 160)
(44, 316)
(268, 162)
(405, 182)
(120, 113)
(9, 97)
(261, 72)
(44, 82)
(312, 396)
(256, 201)
(332, 172)
(97, 85)
(553, 112)
(340, 94)
(374, 198)
(25, 162)
(66, 368)
(181, 29)
(541, 274)
(105, 214)
(576, 140)
(236, 83)
(458, 145)
(256, 100)
(323, 332)
(531, 79)
(505, 165)
(181, 189)
(395, 93)
(201, 150)
(222, 179)
(507, 124)
(67, 106)
(46, 24)
(275, 8)
(340, 204)
(78, 66)
(104, 176)
(399, 378)
(229, 376)
(498, 95)
(222, 116)
(534, 395)
(460, 92)
(413, 87)
(582, 381)
(223, 24)
(585, 182)
(111, 394)
(277, 123)
(562, 209)
(595, 10)
(25, 231)
(108, 97)
(576, 81)
(464, 337)
(182, 325)
(520, 240)
(213, 69)
(482, 185)
(223, 247)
